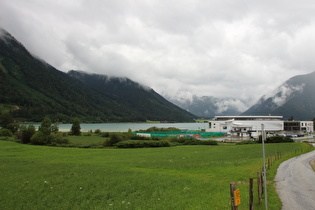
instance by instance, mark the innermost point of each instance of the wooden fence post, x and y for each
(259, 186)
(232, 189)
(251, 193)
(269, 162)
(262, 182)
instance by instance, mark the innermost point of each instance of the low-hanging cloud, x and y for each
(240, 49)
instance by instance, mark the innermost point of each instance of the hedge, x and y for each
(142, 144)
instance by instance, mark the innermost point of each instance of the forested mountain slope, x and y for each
(131, 94)
(36, 89)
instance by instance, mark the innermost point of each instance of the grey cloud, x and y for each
(219, 48)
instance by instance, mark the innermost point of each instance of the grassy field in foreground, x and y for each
(86, 141)
(183, 177)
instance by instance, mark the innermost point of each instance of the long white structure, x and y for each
(246, 126)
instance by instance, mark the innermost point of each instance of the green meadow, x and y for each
(181, 177)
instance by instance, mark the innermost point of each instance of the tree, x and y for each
(25, 133)
(39, 138)
(5, 119)
(13, 127)
(54, 128)
(5, 132)
(76, 128)
(45, 126)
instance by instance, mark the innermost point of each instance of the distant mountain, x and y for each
(36, 89)
(208, 106)
(294, 98)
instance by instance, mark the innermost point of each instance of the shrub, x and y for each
(54, 128)
(5, 132)
(172, 139)
(98, 131)
(191, 141)
(139, 138)
(142, 144)
(277, 139)
(105, 134)
(207, 142)
(39, 138)
(156, 129)
(246, 142)
(58, 138)
(115, 138)
(25, 133)
(13, 127)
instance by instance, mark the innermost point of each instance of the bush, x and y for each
(247, 142)
(277, 139)
(39, 138)
(25, 133)
(207, 142)
(98, 131)
(115, 138)
(5, 132)
(57, 139)
(191, 141)
(105, 134)
(139, 138)
(156, 129)
(13, 127)
(172, 139)
(142, 144)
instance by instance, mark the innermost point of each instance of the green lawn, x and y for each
(183, 177)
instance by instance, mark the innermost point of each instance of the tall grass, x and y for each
(185, 177)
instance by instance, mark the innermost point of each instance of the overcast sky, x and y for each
(222, 48)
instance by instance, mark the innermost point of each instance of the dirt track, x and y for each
(295, 182)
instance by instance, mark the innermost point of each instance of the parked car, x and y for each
(300, 135)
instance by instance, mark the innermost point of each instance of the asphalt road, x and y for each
(295, 183)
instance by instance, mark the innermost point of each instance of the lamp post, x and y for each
(263, 139)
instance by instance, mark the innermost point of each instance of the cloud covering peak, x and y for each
(240, 49)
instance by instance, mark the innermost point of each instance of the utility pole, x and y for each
(263, 139)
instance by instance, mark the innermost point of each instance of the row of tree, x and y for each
(47, 133)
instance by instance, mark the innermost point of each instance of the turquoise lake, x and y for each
(123, 127)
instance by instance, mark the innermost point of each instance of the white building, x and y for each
(246, 126)
(299, 126)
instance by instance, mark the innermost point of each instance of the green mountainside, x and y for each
(144, 100)
(36, 89)
(294, 98)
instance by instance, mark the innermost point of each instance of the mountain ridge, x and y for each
(294, 98)
(38, 90)
(128, 93)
